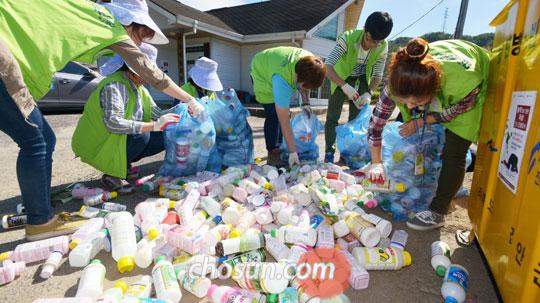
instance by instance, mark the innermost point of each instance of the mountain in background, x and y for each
(484, 40)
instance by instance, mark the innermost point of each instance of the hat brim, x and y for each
(126, 17)
(209, 81)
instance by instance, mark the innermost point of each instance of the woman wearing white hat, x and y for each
(38, 38)
(121, 123)
(203, 79)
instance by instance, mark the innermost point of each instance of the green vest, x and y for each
(465, 66)
(345, 65)
(93, 143)
(45, 35)
(192, 91)
(278, 60)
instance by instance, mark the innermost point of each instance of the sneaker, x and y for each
(426, 220)
(329, 158)
(61, 224)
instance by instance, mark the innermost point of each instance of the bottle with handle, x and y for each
(91, 226)
(31, 252)
(88, 249)
(123, 240)
(143, 257)
(10, 270)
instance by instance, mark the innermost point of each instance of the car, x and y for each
(71, 88)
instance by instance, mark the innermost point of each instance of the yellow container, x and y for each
(506, 222)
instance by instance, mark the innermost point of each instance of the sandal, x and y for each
(116, 184)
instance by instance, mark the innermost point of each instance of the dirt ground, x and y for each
(417, 283)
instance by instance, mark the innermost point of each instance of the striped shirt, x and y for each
(114, 98)
(360, 68)
(386, 105)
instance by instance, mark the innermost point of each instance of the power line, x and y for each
(415, 21)
(444, 20)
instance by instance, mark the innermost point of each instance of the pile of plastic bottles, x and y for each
(234, 137)
(351, 140)
(305, 126)
(414, 163)
(248, 219)
(188, 144)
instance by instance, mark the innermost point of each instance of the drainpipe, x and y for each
(191, 33)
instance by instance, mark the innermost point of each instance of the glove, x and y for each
(194, 107)
(364, 99)
(350, 92)
(293, 159)
(376, 173)
(164, 121)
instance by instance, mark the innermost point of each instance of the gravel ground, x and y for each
(417, 283)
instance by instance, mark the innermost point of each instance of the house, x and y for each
(233, 35)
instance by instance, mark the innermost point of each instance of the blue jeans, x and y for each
(143, 145)
(34, 163)
(272, 129)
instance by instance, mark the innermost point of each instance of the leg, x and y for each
(272, 130)
(335, 105)
(135, 146)
(34, 163)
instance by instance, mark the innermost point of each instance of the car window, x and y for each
(74, 68)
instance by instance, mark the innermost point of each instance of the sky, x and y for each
(405, 12)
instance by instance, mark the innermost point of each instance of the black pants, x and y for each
(272, 129)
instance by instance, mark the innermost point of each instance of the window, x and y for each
(74, 68)
(329, 31)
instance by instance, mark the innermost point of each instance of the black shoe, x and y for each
(426, 220)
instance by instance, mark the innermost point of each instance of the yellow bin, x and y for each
(505, 198)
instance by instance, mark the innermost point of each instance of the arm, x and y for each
(285, 123)
(381, 114)
(339, 50)
(283, 93)
(455, 110)
(378, 70)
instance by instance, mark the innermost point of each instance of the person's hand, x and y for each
(194, 107)
(350, 92)
(365, 98)
(409, 128)
(293, 159)
(376, 173)
(165, 121)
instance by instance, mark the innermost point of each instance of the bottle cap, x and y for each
(272, 298)
(217, 219)
(273, 233)
(95, 261)
(126, 263)
(235, 233)
(440, 271)
(407, 258)
(114, 194)
(370, 237)
(400, 187)
(450, 300)
(159, 258)
(172, 203)
(122, 285)
(74, 243)
(47, 271)
(161, 190)
(5, 255)
(152, 233)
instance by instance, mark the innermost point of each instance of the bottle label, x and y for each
(357, 224)
(440, 248)
(237, 299)
(459, 276)
(168, 280)
(251, 243)
(135, 290)
(380, 258)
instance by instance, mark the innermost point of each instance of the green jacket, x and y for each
(192, 91)
(93, 143)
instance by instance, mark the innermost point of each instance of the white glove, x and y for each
(164, 121)
(362, 100)
(376, 173)
(195, 108)
(293, 159)
(350, 92)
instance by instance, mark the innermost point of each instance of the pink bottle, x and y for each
(185, 238)
(10, 270)
(91, 226)
(139, 182)
(240, 195)
(39, 250)
(224, 294)
(80, 191)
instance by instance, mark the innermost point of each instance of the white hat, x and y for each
(136, 11)
(204, 74)
(116, 62)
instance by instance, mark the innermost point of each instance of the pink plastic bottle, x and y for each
(80, 191)
(224, 294)
(37, 251)
(10, 270)
(91, 226)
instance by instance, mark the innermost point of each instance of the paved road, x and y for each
(418, 283)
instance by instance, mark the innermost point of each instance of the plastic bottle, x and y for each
(88, 249)
(257, 255)
(165, 282)
(113, 207)
(14, 220)
(399, 239)
(38, 250)
(263, 215)
(226, 294)
(285, 215)
(80, 191)
(185, 238)
(91, 282)
(114, 294)
(294, 234)
(363, 230)
(325, 236)
(10, 270)
(276, 248)
(384, 226)
(440, 257)
(258, 279)
(375, 258)
(90, 227)
(289, 295)
(359, 277)
(52, 263)
(387, 187)
(254, 296)
(196, 285)
(123, 240)
(340, 229)
(141, 181)
(214, 235)
(211, 206)
(231, 211)
(296, 251)
(143, 256)
(155, 183)
(455, 284)
(99, 198)
(140, 289)
(239, 244)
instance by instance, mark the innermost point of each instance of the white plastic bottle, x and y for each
(196, 285)
(123, 240)
(384, 226)
(340, 229)
(263, 215)
(91, 226)
(214, 235)
(143, 256)
(294, 234)
(325, 236)
(440, 257)
(276, 248)
(258, 277)
(10, 270)
(455, 284)
(225, 294)
(114, 294)
(52, 263)
(165, 282)
(296, 251)
(139, 289)
(210, 205)
(240, 244)
(38, 250)
(399, 239)
(88, 249)
(91, 282)
(361, 229)
(359, 277)
(374, 258)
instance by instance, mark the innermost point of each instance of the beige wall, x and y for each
(352, 14)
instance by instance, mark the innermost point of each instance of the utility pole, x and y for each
(444, 20)
(461, 19)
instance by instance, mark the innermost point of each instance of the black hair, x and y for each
(379, 25)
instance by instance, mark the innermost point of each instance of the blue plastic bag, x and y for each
(305, 127)
(352, 142)
(234, 137)
(188, 144)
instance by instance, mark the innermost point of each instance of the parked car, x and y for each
(71, 88)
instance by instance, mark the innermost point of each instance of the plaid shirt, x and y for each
(386, 105)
